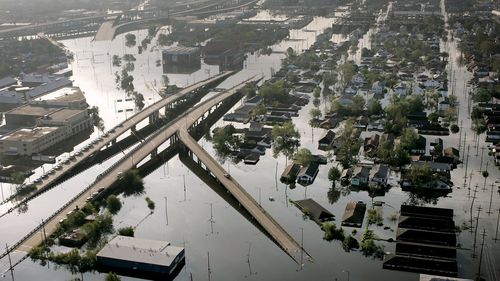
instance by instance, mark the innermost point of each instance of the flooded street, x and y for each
(190, 214)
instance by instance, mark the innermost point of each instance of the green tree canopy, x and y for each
(286, 139)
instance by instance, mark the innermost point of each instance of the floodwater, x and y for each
(237, 249)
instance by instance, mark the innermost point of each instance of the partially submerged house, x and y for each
(326, 142)
(354, 214)
(308, 173)
(290, 174)
(314, 211)
(379, 174)
(360, 176)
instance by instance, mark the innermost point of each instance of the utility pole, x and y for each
(491, 198)
(486, 173)
(460, 136)
(466, 165)
(480, 257)
(472, 205)
(276, 176)
(211, 220)
(10, 260)
(301, 247)
(465, 140)
(475, 232)
(496, 233)
(482, 152)
(209, 269)
(166, 208)
(184, 180)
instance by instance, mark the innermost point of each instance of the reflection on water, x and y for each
(198, 218)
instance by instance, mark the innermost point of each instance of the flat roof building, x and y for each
(71, 97)
(140, 255)
(181, 55)
(30, 141)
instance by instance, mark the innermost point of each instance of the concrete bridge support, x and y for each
(153, 117)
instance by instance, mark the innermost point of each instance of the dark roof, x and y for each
(354, 214)
(314, 210)
(426, 237)
(291, 170)
(420, 250)
(435, 166)
(312, 169)
(361, 172)
(421, 265)
(426, 212)
(382, 172)
(328, 138)
(7, 81)
(441, 225)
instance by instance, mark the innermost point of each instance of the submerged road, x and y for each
(129, 161)
(283, 239)
(118, 131)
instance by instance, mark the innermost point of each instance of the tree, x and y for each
(126, 231)
(111, 276)
(420, 174)
(225, 141)
(259, 110)
(374, 108)
(315, 114)
(348, 144)
(131, 183)
(454, 128)
(151, 204)
(438, 150)
(117, 61)
(408, 139)
(130, 40)
(358, 105)
(304, 156)
(334, 175)
(350, 243)
(151, 31)
(286, 139)
(274, 92)
(96, 119)
(17, 178)
(317, 92)
(163, 40)
(332, 232)
(113, 204)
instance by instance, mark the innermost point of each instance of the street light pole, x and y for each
(348, 273)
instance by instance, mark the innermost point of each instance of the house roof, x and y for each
(435, 166)
(426, 212)
(7, 81)
(361, 172)
(317, 212)
(310, 170)
(451, 152)
(354, 212)
(292, 169)
(380, 171)
(140, 250)
(328, 138)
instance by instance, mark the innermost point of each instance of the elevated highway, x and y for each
(176, 132)
(151, 112)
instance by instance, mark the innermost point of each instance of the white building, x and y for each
(26, 142)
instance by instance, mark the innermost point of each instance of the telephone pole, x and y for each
(482, 152)
(475, 232)
(491, 198)
(472, 205)
(496, 233)
(480, 257)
